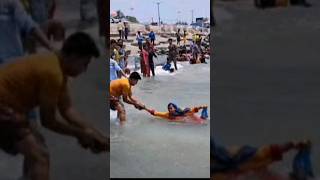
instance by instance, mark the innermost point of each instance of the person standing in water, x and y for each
(123, 88)
(173, 52)
(145, 67)
(151, 54)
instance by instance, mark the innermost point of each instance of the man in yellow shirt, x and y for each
(40, 80)
(122, 87)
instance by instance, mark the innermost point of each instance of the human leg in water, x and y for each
(175, 63)
(27, 163)
(36, 158)
(151, 64)
(121, 113)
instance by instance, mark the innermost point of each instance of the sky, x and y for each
(170, 10)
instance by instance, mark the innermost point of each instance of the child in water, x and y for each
(176, 114)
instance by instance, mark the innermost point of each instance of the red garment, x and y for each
(145, 68)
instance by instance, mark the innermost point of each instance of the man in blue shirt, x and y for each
(114, 68)
(152, 37)
(15, 25)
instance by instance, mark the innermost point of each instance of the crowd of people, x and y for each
(118, 60)
(195, 53)
(121, 78)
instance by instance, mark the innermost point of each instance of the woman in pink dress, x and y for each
(144, 62)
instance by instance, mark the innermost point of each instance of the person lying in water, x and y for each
(242, 162)
(176, 114)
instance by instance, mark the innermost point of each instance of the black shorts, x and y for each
(9, 137)
(114, 104)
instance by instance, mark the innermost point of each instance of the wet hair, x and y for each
(178, 111)
(127, 71)
(80, 44)
(113, 41)
(144, 45)
(135, 76)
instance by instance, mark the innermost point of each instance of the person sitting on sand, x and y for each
(176, 114)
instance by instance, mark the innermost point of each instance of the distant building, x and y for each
(201, 22)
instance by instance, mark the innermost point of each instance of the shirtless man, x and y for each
(41, 80)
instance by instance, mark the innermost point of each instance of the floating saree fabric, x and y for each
(166, 67)
(224, 161)
(204, 113)
(302, 167)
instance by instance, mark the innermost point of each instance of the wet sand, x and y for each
(266, 76)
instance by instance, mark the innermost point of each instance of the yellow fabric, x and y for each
(262, 159)
(31, 81)
(120, 27)
(167, 115)
(120, 87)
(117, 56)
(162, 114)
(26, 5)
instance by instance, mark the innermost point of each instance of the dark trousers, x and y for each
(152, 41)
(126, 32)
(120, 34)
(140, 46)
(174, 59)
(151, 64)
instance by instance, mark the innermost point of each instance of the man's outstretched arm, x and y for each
(86, 136)
(130, 100)
(73, 117)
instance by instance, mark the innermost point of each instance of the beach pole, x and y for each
(158, 3)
